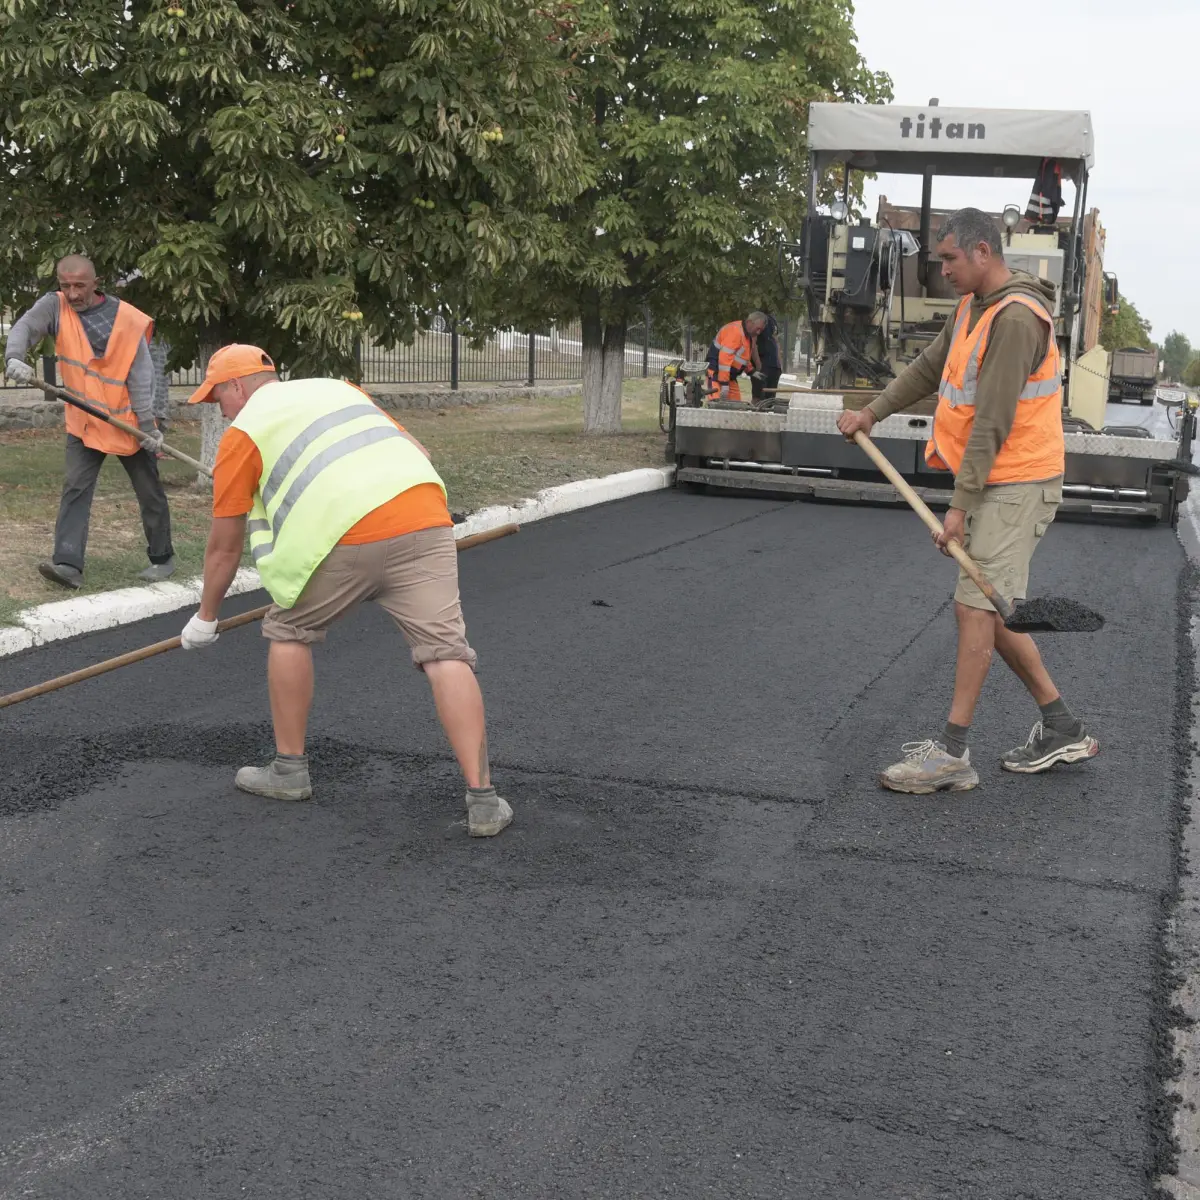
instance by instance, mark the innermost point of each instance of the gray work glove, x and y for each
(152, 440)
(18, 370)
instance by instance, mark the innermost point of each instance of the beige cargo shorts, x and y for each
(414, 578)
(1002, 534)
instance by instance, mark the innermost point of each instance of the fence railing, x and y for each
(451, 356)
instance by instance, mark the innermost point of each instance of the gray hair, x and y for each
(757, 316)
(969, 227)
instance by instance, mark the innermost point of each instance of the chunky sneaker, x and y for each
(1046, 747)
(60, 573)
(487, 813)
(276, 781)
(929, 767)
(157, 572)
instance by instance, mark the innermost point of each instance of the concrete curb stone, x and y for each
(106, 610)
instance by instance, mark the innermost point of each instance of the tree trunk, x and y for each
(603, 374)
(212, 424)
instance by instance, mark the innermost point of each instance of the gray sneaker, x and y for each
(929, 767)
(275, 782)
(487, 814)
(1046, 747)
(60, 573)
(157, 572)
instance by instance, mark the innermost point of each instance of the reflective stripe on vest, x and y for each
(724, 343)
(102, 382)
(329, 457)
(1034, 449)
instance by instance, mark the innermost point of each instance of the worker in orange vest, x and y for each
(102, 345)
(731, 355)
(998, 427)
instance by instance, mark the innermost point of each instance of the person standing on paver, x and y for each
(344, 506)
(998, 427)
(768, 361)
(732, 354)
(102, 345)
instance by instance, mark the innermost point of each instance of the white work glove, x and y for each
(152, 441)
(18, 370)
(197, 633)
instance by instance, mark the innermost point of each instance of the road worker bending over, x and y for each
(343, 506)
(731, 355)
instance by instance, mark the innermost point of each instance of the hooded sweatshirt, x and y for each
(1015, 349)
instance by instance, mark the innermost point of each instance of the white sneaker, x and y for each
(929, 767)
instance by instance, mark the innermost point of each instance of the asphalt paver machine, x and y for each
(875, 297)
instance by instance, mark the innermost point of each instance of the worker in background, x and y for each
(768, 361)
(342, 505)
(102, 345)
(998, 428)
(731, 355)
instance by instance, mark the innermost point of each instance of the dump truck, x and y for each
(1133, 375)
(875, 298)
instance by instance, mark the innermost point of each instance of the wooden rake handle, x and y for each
(115, 422)
(133, 656)
(964, 560)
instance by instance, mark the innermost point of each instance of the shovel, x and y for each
(1048, 615)
(99, 413)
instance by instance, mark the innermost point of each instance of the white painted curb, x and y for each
(106, 610)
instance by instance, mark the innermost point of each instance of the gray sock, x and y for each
(955, 738)
(291, 764)
(1058, 717)
(483, 793)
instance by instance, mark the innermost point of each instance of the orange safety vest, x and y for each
(1034, 449)
(103, 382)
(733, 350)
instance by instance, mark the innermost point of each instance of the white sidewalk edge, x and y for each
(106, 610)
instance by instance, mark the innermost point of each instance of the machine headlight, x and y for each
(839, 210)
(1012, 216)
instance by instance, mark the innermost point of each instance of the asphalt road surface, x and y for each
(710, 958)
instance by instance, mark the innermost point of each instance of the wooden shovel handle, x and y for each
(115, 422)
(964, 560)
(255, 614)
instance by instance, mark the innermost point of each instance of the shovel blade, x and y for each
(1053, 614)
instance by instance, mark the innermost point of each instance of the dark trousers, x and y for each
(770, 379)
(75, 509)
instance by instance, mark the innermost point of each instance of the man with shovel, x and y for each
(103, 353)
(998, 427)
(342, 505)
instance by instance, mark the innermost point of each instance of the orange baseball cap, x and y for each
(231, 362)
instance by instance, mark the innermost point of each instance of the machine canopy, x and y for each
(1003, 143)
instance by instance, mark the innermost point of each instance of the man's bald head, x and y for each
(77, 281)
(75, 263)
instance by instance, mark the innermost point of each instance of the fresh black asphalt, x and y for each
(710, 958)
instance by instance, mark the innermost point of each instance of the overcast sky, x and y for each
(1128, 62)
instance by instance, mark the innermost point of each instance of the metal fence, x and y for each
(451, 356)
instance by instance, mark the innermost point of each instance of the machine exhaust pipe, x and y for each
(735, 464)
(1110, 493)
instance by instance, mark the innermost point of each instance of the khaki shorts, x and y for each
(1002, 534)
(413, 577)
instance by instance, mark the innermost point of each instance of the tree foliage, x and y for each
(291, 174)
(1176, 354)
(695, 118)
(1124, 328)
